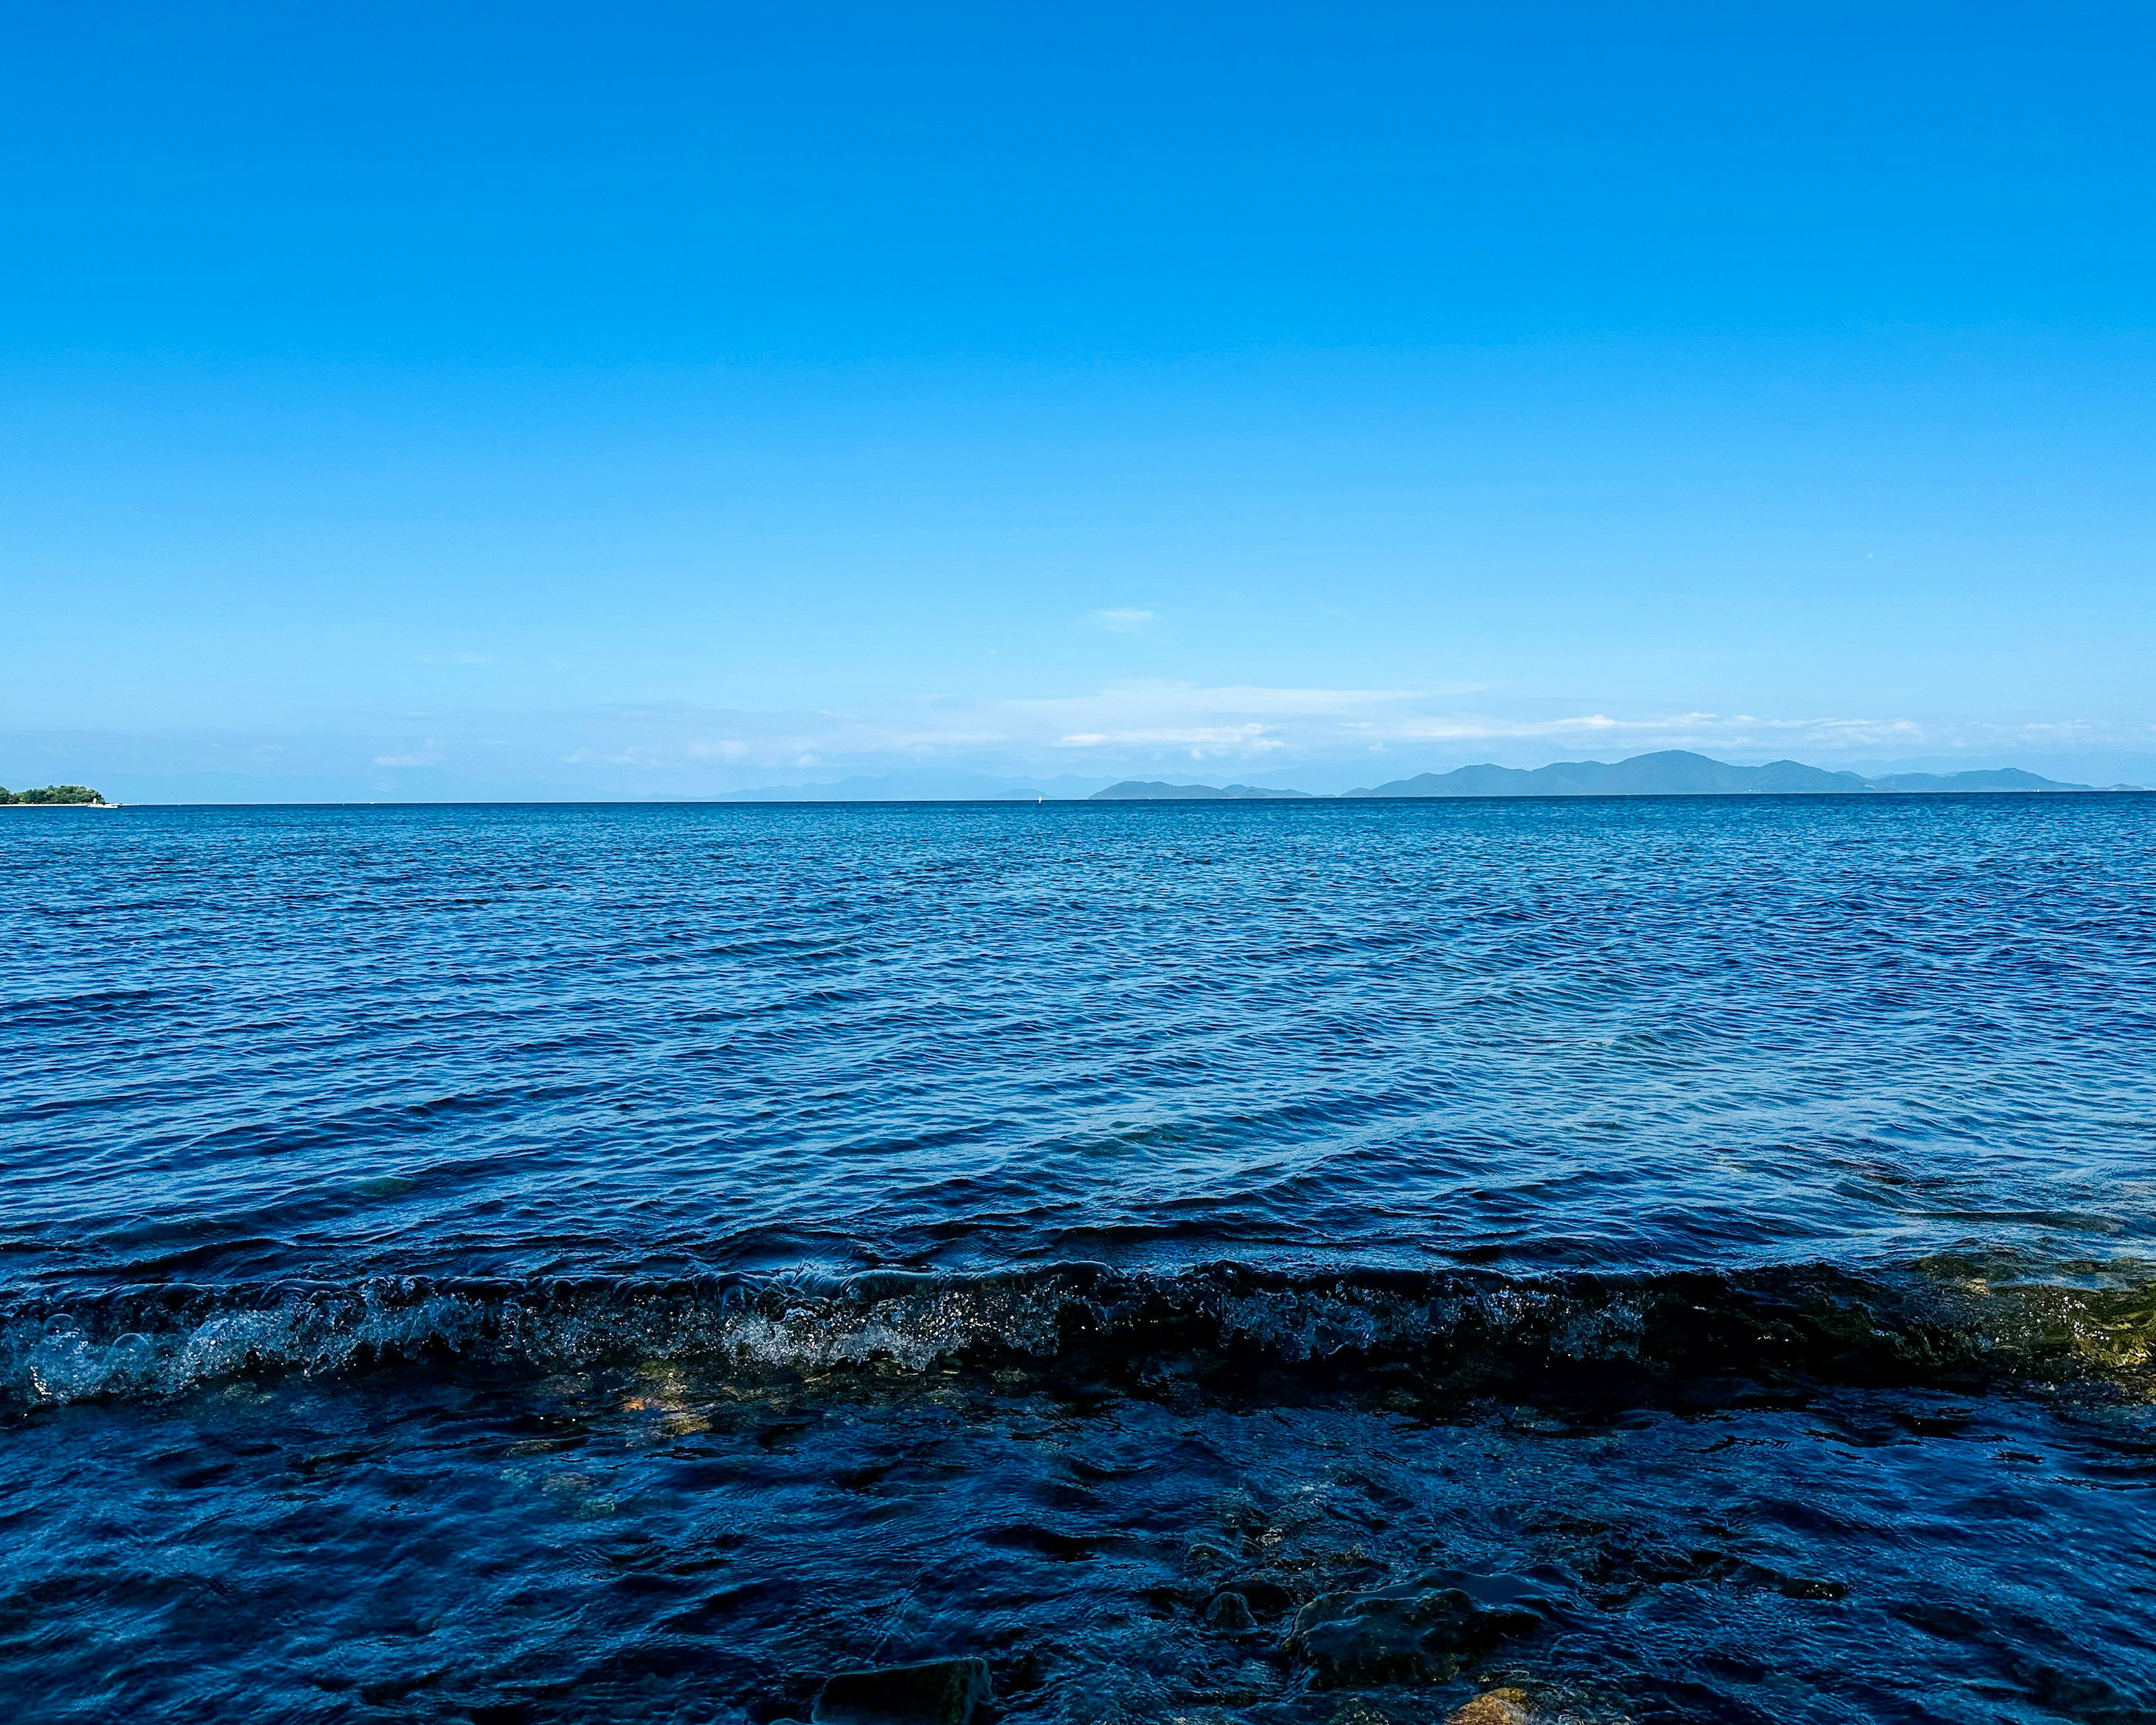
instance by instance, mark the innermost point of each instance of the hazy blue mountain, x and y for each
(1672, 773)
(1143, 790)
(927, 785)
(1996, 778)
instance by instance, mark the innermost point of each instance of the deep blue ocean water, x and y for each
(625, 1263)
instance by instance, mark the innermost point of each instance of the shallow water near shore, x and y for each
(565, 1263)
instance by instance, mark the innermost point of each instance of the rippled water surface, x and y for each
(634, 1262)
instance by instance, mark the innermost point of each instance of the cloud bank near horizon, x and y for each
(1323, 738)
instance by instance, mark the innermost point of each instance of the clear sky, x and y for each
(636, 399)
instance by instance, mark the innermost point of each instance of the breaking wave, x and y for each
(1935, 1322)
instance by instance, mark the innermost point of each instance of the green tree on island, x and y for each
(52, 793)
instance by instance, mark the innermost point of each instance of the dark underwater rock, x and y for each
(941, 1692)
(1230, 1612)
(1418, 1633)
(1264, 1597)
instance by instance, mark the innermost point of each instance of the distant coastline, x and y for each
(1673, 772)
(1669, 772)
(1145, 790)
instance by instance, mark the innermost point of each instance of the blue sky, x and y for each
(664, 399)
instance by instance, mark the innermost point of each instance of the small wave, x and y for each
(40, 1012)
(1459, 1330)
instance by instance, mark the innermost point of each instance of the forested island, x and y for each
(52, 793)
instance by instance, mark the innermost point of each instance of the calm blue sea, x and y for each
(632, 1263)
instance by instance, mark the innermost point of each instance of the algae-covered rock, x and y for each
(1497, 1707)
(941, 1691)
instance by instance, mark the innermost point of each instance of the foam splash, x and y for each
(1801, 1322)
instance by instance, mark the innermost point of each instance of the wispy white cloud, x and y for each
(432, 755)
(1203, 740)
(1124, 620)
(1316, 738)
(1169, 723)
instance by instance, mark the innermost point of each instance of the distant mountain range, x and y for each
(1143, 790)
(1678, 772)
(1672, 773)
(919, 787)
(1994, 779)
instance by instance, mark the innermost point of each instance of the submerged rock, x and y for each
(1499, 1706)
(1230, 1612)
(1419, 1633)
(941, 1691)
(1266, 1598)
